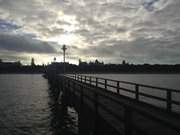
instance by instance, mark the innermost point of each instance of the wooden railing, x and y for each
(137, 91)
(75, 83)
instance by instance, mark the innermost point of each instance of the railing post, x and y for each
(90, 80)
(105, 83)
(118, 87)
(137, 91)
(96, 82)
(85, 79)
(128, 121)
(75, 76)
(169, 99)
(81, 78)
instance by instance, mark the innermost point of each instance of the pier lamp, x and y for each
(64, 48)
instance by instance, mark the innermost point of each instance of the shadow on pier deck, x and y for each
(103, 109)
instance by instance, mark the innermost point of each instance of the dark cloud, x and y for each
(8, 25)
(23, 43)
(149, 4)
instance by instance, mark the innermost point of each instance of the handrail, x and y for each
(109, 84)
(125, 82)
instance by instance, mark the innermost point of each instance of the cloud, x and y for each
(137, 30)
(8, 26)
(138, 51)
(149, 4)
(24, 43)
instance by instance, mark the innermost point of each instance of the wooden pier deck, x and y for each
(127, 115)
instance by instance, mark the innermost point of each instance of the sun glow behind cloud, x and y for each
(67, 39)
(68, 25)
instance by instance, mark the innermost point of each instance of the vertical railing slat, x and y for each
(169, 99)
(85, 79)
(96, 82)
(118, 84)
(81, 78)
(137, 91)
(105, 84)
(90, 80)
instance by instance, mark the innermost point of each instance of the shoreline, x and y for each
(98, 73)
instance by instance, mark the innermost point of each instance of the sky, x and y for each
(138, 31)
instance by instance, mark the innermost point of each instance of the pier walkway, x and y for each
(126, 108)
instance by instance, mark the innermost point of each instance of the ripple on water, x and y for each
(25, 108)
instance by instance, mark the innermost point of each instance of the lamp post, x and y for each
(64, 54)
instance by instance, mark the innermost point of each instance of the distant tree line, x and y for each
(17, 67)
(125, 67)
(86, 67)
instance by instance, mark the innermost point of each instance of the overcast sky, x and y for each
(139, 31)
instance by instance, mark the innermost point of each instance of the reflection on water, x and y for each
(27, 107)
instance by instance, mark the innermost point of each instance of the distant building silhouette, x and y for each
(32, 62)
(54, 59)
(125, 63)
(82, 63)
(98, 63)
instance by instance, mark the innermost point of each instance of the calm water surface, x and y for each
(27, 108)
(160, 80)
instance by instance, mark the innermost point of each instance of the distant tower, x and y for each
(32, 62)
(64, 51)
(123, 62)
(54, 59)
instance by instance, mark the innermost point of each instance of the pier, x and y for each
(112, 107)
